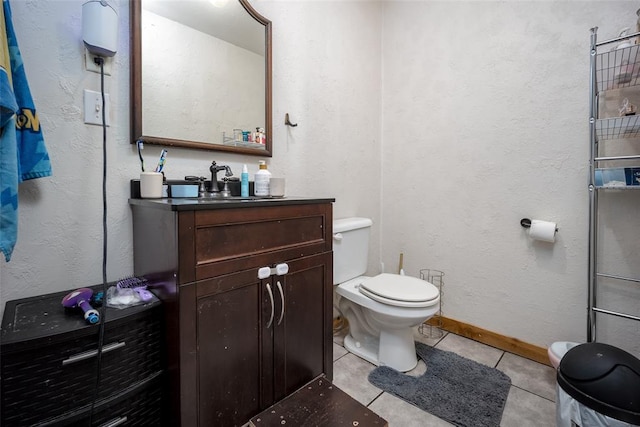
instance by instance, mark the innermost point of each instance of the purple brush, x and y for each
(138, 284)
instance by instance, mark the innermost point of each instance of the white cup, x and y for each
(276, 187)
(151, 185)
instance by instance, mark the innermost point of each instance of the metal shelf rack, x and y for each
(614, 65)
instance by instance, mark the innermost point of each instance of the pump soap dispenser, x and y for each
(261, 180)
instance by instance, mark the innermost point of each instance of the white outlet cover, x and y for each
(90, 65)
(93, 108)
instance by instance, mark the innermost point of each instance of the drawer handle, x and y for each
(282, 299)
(272, 306)
(114, 423)
(337, 237)
(92, 353)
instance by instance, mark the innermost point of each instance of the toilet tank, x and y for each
(350, 248)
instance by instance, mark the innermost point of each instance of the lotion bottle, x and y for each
(261, 180)
(244, 182)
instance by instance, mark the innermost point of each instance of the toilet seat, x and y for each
(400, 291)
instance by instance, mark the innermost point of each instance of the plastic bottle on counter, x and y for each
(244, 182)
(261, 180)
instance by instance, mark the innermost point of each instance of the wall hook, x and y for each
(288, 122)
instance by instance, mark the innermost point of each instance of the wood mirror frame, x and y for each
(136, 91)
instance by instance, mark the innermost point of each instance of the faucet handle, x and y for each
(226, 191)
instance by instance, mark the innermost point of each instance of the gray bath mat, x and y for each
(456, 389)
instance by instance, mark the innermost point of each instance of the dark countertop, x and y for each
(188, 204)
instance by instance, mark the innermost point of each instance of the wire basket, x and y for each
(434, 328)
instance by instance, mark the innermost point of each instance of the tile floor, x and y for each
(531, 400)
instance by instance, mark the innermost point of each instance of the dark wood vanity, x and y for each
(236, 343)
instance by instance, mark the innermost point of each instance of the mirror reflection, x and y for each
(204, 75)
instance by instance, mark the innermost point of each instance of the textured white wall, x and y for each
(478, 120)
(486, 122)
(327, 77)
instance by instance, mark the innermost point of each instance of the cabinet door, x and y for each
(303, 337)
(233, 367)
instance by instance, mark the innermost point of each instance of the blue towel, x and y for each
(23, 154)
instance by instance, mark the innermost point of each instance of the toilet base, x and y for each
(396, 350)
(366, 350)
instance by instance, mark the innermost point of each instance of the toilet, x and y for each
(381, 310)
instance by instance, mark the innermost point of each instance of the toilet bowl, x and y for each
(381, 326)
(557, 350)
(381, 310)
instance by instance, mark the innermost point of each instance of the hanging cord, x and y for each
(100, 61)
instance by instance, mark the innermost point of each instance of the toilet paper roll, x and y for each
(544, 231)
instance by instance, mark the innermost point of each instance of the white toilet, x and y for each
(381, 310)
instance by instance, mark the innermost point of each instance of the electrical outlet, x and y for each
(93, 107)
(90, 64)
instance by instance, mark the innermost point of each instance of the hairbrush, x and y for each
(138, 284)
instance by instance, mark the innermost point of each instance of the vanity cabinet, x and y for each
(238, 343)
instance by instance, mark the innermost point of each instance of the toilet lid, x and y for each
(401, 291)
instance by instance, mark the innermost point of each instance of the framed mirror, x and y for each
(201, 75)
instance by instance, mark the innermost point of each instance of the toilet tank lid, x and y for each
(347, 224)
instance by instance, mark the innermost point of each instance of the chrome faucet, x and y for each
(214, 191)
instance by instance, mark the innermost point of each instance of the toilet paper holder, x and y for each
(526, 223)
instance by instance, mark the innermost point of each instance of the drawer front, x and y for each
(229, 240)
(144, 408)
(60, 377)
(143, 404)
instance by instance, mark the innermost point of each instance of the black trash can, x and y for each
(598, 385)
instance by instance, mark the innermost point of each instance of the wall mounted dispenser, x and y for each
(100, 27)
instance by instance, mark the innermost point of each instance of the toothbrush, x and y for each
(140, 148)
(137, 284)
(163, 158)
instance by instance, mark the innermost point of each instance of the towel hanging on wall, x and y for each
(23, 154)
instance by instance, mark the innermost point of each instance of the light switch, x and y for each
(93, 108)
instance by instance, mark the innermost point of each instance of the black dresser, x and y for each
(48, 365)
